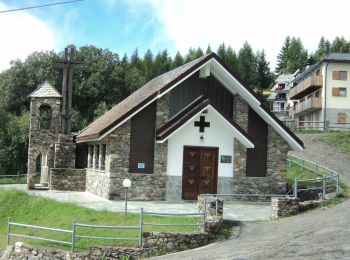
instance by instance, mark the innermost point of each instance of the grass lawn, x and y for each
(23, 208)
(15, 180)
(340, 139)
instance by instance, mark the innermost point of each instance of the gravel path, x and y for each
(319, 234)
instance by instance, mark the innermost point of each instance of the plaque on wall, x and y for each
(226, 158)
(140, 165)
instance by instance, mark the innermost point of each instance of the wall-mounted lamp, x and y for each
(126, 184)
(202, 139)
(205, 111)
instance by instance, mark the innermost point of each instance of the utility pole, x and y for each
(67, 64)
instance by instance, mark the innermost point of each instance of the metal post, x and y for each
(324, 186)
(295, 190)
(73, 237)
(337, 183)
(141, 223)
(8, 231)
(126, 201)
(216, 206)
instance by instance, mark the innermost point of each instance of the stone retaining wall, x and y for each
(174, 242)
(67, 179)
(20, 251)
(284, 206)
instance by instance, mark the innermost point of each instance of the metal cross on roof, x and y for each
(68, 64)
(202, 124)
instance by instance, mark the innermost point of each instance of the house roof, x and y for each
(162, 84)
(191, 111)
(45, 90)
(137, 100)
(337, 56)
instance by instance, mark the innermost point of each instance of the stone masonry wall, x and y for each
(98, 183)
(64, 152)
(284, 206)
(161, 150)
(174, 242)
(41, 140)
(67, 179)
(277, 149)
(143, 187)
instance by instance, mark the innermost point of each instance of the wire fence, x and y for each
(74, 234)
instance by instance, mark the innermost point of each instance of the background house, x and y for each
(320, 94)
(278, 99)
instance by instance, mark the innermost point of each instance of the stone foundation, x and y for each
(67, 179)
(143, 187)
(98, 183)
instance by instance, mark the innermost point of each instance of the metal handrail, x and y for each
(324, 178)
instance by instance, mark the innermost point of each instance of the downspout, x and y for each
(325, 98)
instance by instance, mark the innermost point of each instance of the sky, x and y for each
(124, 25)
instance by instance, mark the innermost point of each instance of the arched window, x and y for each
(44, 117)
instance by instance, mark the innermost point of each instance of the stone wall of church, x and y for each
(64, 152)
(161, 150)
(98, 182)
(277, 149)
(68, 179)
(41, 141)
(143, 187)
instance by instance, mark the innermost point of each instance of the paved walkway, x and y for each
(241, 211)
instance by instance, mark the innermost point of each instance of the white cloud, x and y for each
(264, 24)
(21, 34)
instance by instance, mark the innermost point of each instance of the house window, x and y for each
(103, 156)
(341, 118)
(90, 156)
(340, 75)
(339, 92)
(97, 157)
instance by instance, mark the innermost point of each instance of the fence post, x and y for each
(295, 190)
(73, 237)
(216, 206)
(324, 186)
(8, 231)
(141, 224)
(337, 183)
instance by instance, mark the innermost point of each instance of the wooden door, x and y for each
(199, 171)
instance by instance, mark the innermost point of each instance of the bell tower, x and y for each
(45, 125)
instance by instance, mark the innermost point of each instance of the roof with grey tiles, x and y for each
(45, 90)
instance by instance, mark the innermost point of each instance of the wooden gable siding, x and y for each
(257, 156)
(193, 87)
(142, 140)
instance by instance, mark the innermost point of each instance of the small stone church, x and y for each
(197, 129)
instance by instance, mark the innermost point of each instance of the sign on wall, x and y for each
(141, 165)
(226, 159)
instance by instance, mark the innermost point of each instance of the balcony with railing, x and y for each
(305, 87)
(307, 106)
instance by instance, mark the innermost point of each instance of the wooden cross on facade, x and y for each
(202, 124)
(68, 64)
